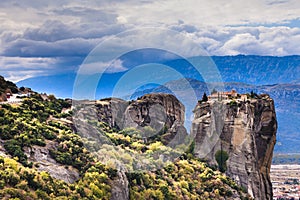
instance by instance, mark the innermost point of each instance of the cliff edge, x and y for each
(238, 135)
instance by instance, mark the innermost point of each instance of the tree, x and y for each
(22, 89)
(221, 158)
(252, 94)
(51, 97)
(214, 91)
(204, 97)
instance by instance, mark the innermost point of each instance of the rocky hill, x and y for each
(286, 98)
(240, 133)
(158, 111)
(6, 87)
(239, 137)
(44, 156)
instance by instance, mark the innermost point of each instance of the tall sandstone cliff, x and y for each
(246, 132)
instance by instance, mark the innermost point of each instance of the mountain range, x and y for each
(277, 76)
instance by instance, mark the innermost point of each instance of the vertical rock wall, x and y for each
(246, 131)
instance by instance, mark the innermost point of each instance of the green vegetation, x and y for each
(183, 179)
(35, 122)
(30, 124)
(19, 182)
(221, 158)
(186, 178)
(39, 122)
(4, 85)
(233, 103)
(204, 97)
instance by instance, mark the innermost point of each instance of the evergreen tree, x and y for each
(204, 97)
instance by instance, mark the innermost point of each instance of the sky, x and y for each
(40, 38)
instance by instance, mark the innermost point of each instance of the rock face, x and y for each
(46, 163)
(111, 111)
(120, 187)
(246, 132)
(157, 111)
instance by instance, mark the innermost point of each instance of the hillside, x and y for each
(44, 157)
(6, 87)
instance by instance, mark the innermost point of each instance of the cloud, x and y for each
(20, 68)
(122, 20)
(17, 68)
(274, 41)
(63, 32)
(67, 47)
(101, 67)
(214, 12)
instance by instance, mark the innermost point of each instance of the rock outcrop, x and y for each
(120, 187)
(158, 111)
(243, 131)
(44, 162)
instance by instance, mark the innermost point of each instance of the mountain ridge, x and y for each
(278, 76)
(256, 70)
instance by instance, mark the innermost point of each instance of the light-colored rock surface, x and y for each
(157, 111)
(2, 150)
(44, 162)
(247, 132)
(120, 187)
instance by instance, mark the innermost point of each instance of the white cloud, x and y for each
(122, 20)
(214, 12)
(276, 41)
(63, 28)
(18, 68)
(102, 67)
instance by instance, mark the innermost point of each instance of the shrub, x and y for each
(221, 158)
(13, 148)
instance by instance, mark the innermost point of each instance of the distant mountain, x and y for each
(277, 76)
(255, 70)
(259, 70)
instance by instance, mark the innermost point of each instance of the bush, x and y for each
(13, 148)
(221, 158)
